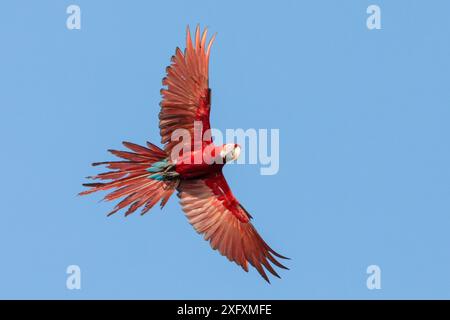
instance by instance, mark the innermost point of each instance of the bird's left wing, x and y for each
(213, 211)
(187, 96)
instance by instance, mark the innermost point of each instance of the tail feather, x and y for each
(132, 179)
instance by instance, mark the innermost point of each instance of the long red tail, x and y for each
(132, 180)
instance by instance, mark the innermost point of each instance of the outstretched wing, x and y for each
(213, 211)
(186, 97)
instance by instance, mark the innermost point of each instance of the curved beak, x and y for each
(235, 153)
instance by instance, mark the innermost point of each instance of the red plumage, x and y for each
(147, 175)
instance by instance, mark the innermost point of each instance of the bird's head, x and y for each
(230, 152)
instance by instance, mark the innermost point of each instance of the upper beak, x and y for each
(236, 153)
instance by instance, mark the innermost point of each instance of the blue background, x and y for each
(364, 146)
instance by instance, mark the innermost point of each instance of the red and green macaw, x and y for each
(147, 175)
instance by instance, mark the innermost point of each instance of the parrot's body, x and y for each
(147, 175)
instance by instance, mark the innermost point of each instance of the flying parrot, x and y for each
(147, 174)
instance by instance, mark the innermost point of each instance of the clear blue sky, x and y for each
(364, 156)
